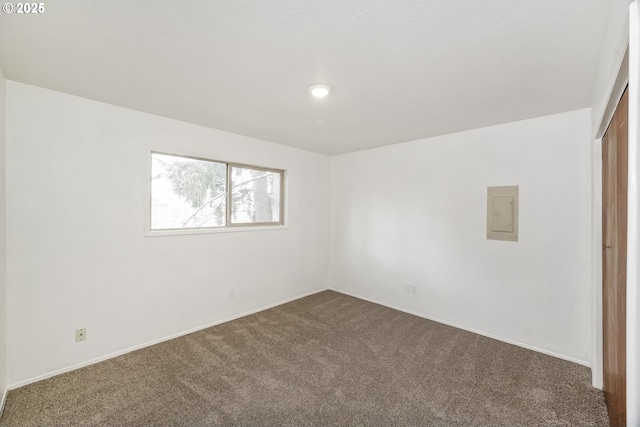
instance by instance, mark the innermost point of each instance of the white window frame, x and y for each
(230, 226)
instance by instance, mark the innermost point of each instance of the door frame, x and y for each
(633, 223)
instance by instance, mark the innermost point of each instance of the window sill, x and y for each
(161, 233)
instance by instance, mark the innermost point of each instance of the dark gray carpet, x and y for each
(324, 360)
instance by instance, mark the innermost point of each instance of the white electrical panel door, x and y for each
(502, 213)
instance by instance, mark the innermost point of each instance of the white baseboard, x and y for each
(150, 343)
(3, 401)
(247, 313)
(475, 331)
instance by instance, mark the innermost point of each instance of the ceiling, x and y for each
(401, 70)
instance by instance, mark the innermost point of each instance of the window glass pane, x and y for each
(255, 196)
(187, 193)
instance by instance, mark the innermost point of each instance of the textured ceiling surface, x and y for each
(401, 70)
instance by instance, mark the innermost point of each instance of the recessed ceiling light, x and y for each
(319, 91)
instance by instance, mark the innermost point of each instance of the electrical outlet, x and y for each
(414, 289)
(81, 334)
(232, 293)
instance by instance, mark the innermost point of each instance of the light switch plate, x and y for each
(502, 213)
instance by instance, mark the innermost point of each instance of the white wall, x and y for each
(611, 57)
(415, 213)
(77, 254)
(596, 267)
(633, 242)
(3, 232)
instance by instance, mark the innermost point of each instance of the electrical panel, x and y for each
(502, 213)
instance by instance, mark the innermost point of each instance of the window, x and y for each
(255, 195)
(192, 193)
